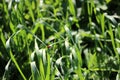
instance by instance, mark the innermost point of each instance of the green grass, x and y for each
(59, 40)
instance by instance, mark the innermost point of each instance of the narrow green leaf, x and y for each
(2, 37)
(35, 71)
(42, 71)
(72, 7)
(48, 68)
(12, 27)
(113, 40)
(102, 23)
(43, 32)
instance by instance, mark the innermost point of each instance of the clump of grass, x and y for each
(59, 40)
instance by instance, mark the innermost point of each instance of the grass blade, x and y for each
(35, 71)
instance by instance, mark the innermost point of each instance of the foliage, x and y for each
(59, 40)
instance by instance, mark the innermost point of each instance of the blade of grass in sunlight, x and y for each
(35, 71)
(71, 7)
(2, 37)
(112, 39)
